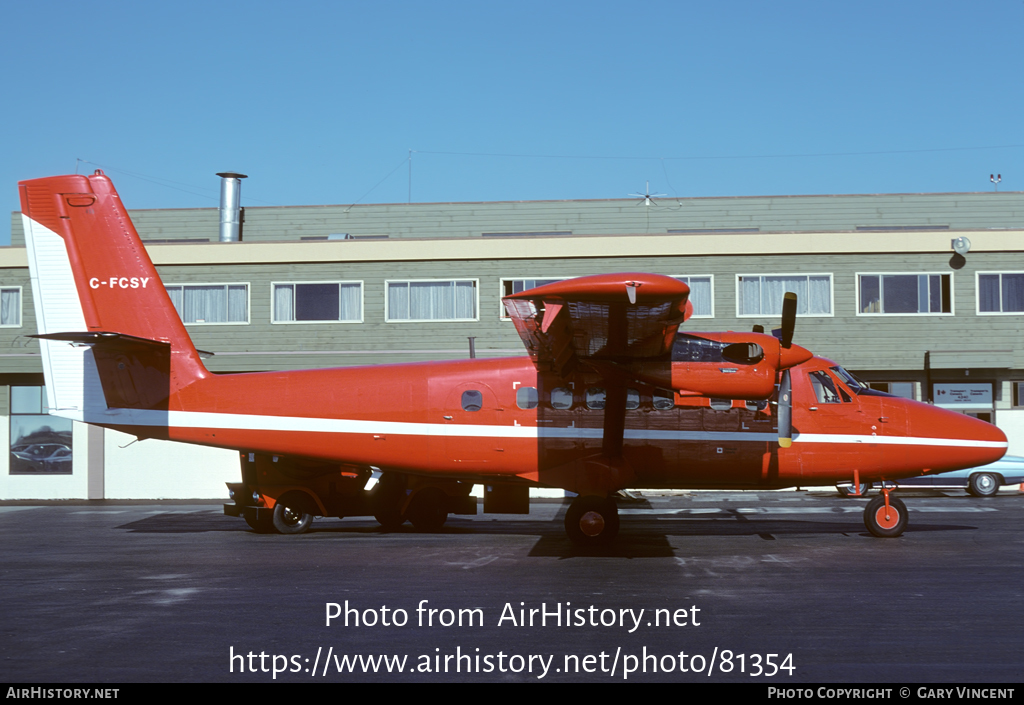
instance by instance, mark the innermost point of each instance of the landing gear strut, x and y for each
(886, 516)
(592, 520)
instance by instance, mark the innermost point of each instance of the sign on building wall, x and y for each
(962, 396)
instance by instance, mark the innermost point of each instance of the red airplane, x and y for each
(611, 396)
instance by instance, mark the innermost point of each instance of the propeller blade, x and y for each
(785, 415)
(788, 318)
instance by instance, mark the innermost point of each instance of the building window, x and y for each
(318, 302)
(448, 300)
(40, 443)
(906, 294)
(701, 295)
(211, 303)
(761, 295)
(907, 390)
(1001, 292)
(10, 306)
(518, 286)
(1018, 393)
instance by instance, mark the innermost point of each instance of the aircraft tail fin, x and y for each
(98, 296)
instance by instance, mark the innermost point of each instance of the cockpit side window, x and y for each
(824, 388)
(856, 385)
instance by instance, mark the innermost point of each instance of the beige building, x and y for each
(881, 290)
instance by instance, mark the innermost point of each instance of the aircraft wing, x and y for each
(605, 317)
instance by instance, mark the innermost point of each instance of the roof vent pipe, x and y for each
(230, 202)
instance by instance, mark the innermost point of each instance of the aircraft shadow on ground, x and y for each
(640, 537)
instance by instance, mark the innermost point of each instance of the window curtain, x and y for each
(350, 302)
(284, 303)
(431, 301)
(700, 295)
(10, 307)
(1013, 293)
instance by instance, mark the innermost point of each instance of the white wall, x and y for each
(1012, 424)
(154, 469)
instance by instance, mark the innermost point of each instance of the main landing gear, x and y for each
(592, 520)
(886, 516)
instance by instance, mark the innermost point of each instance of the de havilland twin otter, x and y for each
(610, 396)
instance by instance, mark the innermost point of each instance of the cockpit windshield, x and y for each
(857, 386)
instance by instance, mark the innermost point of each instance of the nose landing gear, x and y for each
(886, 516)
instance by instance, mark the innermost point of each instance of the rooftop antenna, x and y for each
(648, 196)
(995, 179)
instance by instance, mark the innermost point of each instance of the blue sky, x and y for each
(320, 102)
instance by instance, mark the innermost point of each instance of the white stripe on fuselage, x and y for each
(252, 422)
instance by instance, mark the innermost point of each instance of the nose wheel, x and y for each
(592, 520)
(886, 516)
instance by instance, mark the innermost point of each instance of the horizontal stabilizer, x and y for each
(135, 372)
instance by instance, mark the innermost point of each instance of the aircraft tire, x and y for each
(592, 520)
(847, 490)
(983, 484)
(260, 526)
(427, 511)
(291, 521)
(877, 523)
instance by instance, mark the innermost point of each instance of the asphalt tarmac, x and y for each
(774, 588)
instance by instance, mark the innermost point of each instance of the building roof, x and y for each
(683, 216)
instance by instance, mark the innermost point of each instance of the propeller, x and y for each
(785, 414)
(785, 334)
(785, 402)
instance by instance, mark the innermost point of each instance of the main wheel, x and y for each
(592, 520)
(886, 523)
(291, 521)
(260, 526)
(984, 484)
(428, 510)
(848, 490)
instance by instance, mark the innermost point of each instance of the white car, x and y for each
(983, 481)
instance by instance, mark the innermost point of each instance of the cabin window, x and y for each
(527, 398)
(700, 295)
(472, 400)
(906, 294)
(721, 404)
(210, 303)
(561, 398)
(759, 405)
(596, 398)
(10, 306)
(662, 402)
(434, 300)
(318, 302)
(632, 399)
(762, 295)
(1001, 292)
(40, 443)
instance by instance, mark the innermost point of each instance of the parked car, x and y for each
(983, 481)
(43, 457)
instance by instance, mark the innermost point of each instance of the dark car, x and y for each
(983, 481)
